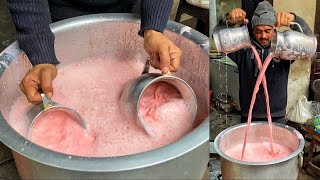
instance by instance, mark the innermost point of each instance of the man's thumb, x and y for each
(164, 61)
(46, 83)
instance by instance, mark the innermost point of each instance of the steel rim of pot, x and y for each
(292, 155)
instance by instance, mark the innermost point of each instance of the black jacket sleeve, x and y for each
(32, 19)
(155, 14)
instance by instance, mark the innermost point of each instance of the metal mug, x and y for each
(231, 39)
(291, 45)
(47, 106)
(134, 89)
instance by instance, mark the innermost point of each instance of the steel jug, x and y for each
(229, 40)
(291, 45)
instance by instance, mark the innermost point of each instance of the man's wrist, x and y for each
(46, 63)
(149, 32)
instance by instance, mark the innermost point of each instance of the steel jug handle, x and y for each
(227, 24)
(47, 103)
(146, 66)
(292, 23)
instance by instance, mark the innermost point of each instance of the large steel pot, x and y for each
(87, 36)
(285, 168)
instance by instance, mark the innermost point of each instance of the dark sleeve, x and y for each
(235, 56)
(31, 19)
(304, 26)
(155, 14)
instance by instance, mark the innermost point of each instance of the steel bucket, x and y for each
(91, 35)
(285, 168)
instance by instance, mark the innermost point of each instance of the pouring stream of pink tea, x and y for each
(261, 77)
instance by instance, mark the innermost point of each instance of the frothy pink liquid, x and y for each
(259, 152)
(93, 88)
(160, 101)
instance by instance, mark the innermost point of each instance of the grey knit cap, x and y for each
(264, 15)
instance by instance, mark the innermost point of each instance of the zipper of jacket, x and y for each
(261, 57)
(262, 50)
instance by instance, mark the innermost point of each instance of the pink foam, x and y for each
(161, 102)
(93, 88)
(259, 152)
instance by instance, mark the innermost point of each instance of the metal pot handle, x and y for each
(300, 163)
(294, 23)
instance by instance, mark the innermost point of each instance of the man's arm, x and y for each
(31, 19)
(155, 15)
(164, 54)
(285, 19)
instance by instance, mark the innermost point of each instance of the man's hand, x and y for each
(284, 19)
(40, 76)
(164, 55)
(237, 16)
